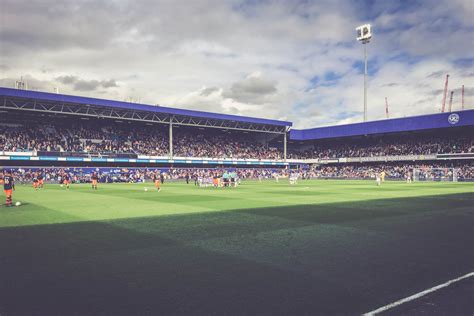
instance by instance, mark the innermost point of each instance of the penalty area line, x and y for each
(418, 295)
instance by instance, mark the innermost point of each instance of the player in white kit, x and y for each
(377, 178)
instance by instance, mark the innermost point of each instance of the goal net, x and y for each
(435, 174)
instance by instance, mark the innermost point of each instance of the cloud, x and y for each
(111, 83)
(32, 83)
(67, 79)
(208, 91)
(436, 74)
(47, 25)
(255, 58)
(254, 89)
(83, 85)
(79, 84)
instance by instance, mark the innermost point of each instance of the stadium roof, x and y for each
(16, 99)
(406, 124)
(118, 105)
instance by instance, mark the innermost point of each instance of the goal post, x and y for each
(435, 174)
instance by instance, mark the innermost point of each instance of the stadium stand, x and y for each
(50, 130)
(94, 139)
(411, 144)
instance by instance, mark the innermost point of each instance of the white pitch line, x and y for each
(417, 295)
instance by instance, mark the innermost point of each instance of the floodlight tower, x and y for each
(364, 35)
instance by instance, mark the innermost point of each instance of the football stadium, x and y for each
(127, 208)
(211, 213)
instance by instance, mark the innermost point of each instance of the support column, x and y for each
(171, 139)
(365, 82)
(284, 145)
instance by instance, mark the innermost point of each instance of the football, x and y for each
(18, 203)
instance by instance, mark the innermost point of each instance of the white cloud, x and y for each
(249, 58)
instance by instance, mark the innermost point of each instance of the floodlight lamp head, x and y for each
(364, 33)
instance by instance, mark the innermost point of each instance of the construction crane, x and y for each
(451, 101)
(443, 106)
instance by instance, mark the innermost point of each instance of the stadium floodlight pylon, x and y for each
(364, 35)
(386, 108)
(435, 174)
(462, 97)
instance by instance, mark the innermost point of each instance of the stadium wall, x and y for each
(28, 159)
(23, 159)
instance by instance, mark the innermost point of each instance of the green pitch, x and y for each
(327, 247)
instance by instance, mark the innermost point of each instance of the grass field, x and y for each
(321, 247)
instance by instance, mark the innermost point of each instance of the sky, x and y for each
(286, 60)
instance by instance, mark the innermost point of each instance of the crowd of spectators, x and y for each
(222, 146)
(100, 139)
(92, 139)
(388, 146)
(19, 138)
(398, 171)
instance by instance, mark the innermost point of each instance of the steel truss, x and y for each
(87, 110)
